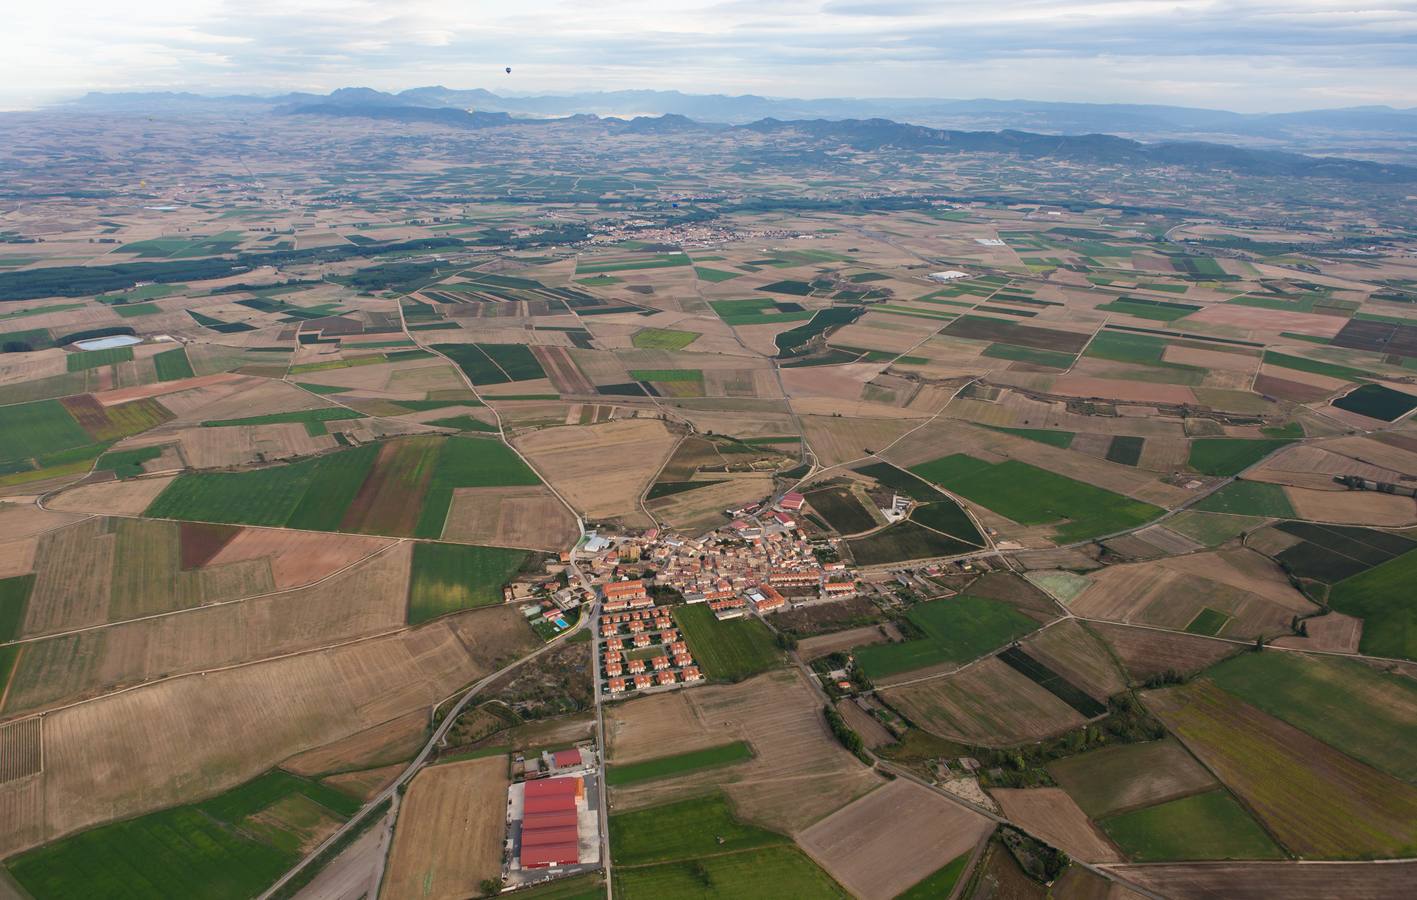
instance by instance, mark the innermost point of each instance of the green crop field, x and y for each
(450, 577)
(731, 650)
(679, 764)
(1382, 598)
(1203, 826)
(311, 493)
(34, 429)
(213, 849)
(1033, 496)
(172, 365)
(782, 873)
(1249, 498)
(579, 887)
(1355, 708)
(756, 312)
(663, 339)
(1208, 622)
(948, 517)
(1313, 366)
(956, 629)
(303, 416)
(1211, 529)
(714, 276)
(1377, 402)
(904, 540)
(93, 359)
(127, 463)
(1229, 456)
(1051, 358)
(468, 462)
(700, 826)
(474, 363)
(667, 375)
(940, 883)
(464, 423)
(14, 600)
(589, 266)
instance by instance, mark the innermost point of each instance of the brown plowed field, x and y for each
(872, 732)
(125, 395)
(1317, 801)
(1130, 776)
(1352, 507)
(389, 500)
(1052, 815)
(22, 521)
(298, 558)
(395, 739)
(199, 542)
(1146, 651)
(892, 838)
(528, 517)
(17, 557)
(1266, 880)
(989, 704)
(20, 748)
(799, 772)
(821, 645)
(365, 783)
(1332, 631)
(450, 831)
(1068, 649)
(1169, 593)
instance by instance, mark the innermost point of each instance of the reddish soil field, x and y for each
(389, 500)
(562, 370)
(1283, 389)
(1261, 880)
(200, 542)
(1146, 652)
(124, 395)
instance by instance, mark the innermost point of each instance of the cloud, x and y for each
(1242, 54)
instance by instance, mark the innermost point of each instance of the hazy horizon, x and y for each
(1246, 56)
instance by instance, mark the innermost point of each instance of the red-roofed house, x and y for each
(791, 501)
(566, 759)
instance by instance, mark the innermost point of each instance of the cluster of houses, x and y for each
(641, 647)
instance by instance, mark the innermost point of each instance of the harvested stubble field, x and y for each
(528, 517)
(1145, 652)
(800, 772)
(1317, 801)
(1052, 815)
(892, 838)
(450, 830)
(131, 752)
(1242, 584)
(601, 469)
(360, 602)
(988, 704)
(397, 739)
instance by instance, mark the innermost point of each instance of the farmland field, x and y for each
(451, 577)
(678, 764)
(1370, 715)
(1129, 776)
(1377, 402)
(778, 872)
(234, 844)
(34, 429)
(1033, 496)
(1248, 498)
(687, 828)
(1203, 826)
(172, 365)
(956, 629)
(1315, 800)
(902, 541)
(1381, 597)
(730, 650)
(663, 339)
(1229, 456)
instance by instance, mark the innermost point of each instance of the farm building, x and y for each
(948, 275)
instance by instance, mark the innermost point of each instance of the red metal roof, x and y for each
(549, 837)
(566, 758)
(549, 820)
(551, 855)
(553, 804)
(553, 787)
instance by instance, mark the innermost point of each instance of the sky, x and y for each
(1244, 55)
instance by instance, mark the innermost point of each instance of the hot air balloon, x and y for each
(509, 70)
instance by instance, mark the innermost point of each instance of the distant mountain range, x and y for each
(1079, 132)
(1030, 115)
